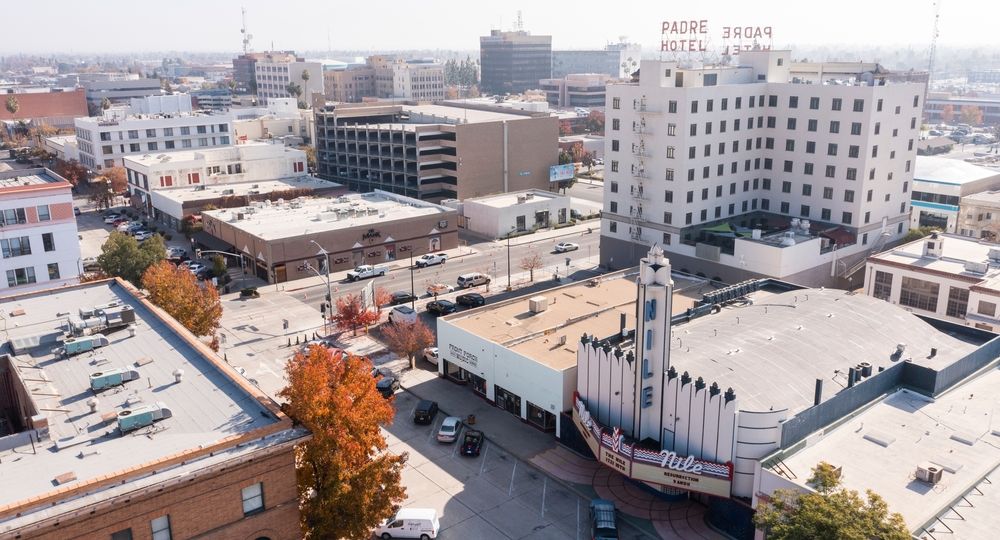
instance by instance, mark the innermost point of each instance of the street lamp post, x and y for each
(508, 257)
(329, 293)
(413, 292)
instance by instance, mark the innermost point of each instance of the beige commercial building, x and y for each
(369, 228)
(386, 77)
(435, 152)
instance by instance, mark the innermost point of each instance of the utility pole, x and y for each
(329, 293)
(508, 257)
(413, 292)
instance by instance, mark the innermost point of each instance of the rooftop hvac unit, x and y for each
(240, 216)
(102, 380)
(87, 313)
(250, 210)
(77, 345)
(538, 304)
(228, 192)
(140, 417)
(976, 267)
(994, 255)
(930, 473)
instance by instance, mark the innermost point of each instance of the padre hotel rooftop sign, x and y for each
(694, 35)
(663, 468)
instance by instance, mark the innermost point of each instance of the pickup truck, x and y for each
(366, 271)
(431, 259)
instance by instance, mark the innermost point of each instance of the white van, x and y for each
(403, 314)
(473, 279)
(411, 523)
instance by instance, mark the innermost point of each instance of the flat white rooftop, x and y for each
(251, 150)
(459, 115)
(881, 448)
(513, 198)
(20, 178)
(944, 170)
(315, 215)
(208, 406)
(215, 191)
(957, 250)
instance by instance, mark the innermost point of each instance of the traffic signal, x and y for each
(197, 253)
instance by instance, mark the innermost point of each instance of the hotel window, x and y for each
(824, 214)
(848, 195)
(807, 168)
(666, 239)
(882, 288)
(161, 528)
(151, 133)
(853, 151)
(20, 276)
(43, 212)
(670, 175)
(878, 127)
(784, 207)
(253, 499)
(831, 171)
(786, 187)
(186, 143)
(671, 129)
(846, 218)
(202, 130)
(834, 126)
(788, 166)
(616, 103)
(793, 102)
(878, 106)
(185, 130)
(166, 181)
(672, 107)
(48, 242)
(53, 271)
(203, 141)
(958, 302)
(153, 146)
(694, 106)
(15, 247)
(134, 147)
(133, 134)
(616, 124)
(855, 128)
(709, 103)
(168, 132)
(807, 190)
(613, 226)
(803, 211)
(168, 145)
(987, 308)
(831, 149)
(772, 101)
(852, 173)
(693, 130)
(814, 103)
(124, 534)
(917, 293)
(725, 104)
(614, 146)
(668, 218)
(791, 123)
(837, 102)
(614, 166)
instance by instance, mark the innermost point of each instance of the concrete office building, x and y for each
(104, 140)
(435, 152)
(39, 241)
(386, 77)
(939, 186)
(576, 90)
(709, 402)
(151, 435)
(117, 88)
(950, 277)
(244, 66)
(616, 60)
(942, 104)
(215, 99)
(512, 62)
(496, 216)
(275, 73)
(979, 215)
(355, 229)
(737, 171)
(250, 162)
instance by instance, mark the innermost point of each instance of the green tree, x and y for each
(294, 89)
(830, 513)
(305, 75)
(919, 232)
(565, 158)
(101, 193)
(218, 265)
(122, 256)
(348, 479)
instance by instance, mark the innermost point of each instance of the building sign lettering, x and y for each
(371, 234)
(663, 468)
(463, 356)
(694, 35)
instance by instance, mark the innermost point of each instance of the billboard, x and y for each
(558, 173)
(695, 36)
(664, 468)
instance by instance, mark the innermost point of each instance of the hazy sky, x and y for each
(119, 26)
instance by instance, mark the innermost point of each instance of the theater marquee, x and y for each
(664, 468)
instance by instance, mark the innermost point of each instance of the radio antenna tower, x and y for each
(246, 35)
(520, 22)
(934, 38)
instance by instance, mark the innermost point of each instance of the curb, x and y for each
(392, 268)
(568, 485)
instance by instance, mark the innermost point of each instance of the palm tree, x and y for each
(294, 90)
(305, 75)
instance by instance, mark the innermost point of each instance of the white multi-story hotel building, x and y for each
(244, 163)
(104, 140)
(38, 233)
(275, 74)
(741, 171)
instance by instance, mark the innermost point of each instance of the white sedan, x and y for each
(563, 247)
(431, 355)
(449, 429)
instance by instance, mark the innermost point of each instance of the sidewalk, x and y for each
(593, 225)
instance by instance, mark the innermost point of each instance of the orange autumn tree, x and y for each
(407, 339)
(176, 291)
(348, 481)
(351, 314)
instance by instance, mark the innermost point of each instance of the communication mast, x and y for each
(246, 35)
(934, 37)
(520, 22)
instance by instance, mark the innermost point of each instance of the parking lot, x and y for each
(492, 496)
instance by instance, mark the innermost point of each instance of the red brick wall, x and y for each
(48, 104)
(204, 507)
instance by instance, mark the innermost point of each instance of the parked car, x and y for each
(441, 307)
(196, 268)
(425, 412)
(176, 252)
(431, 355)
(448, 432)
(403, 314)
(112, 218)
(471, 300)
(473, 279)
(142, 235)
(381, 372)
(90, 264)
(563, 247)
(76, 210)
(935, 133)
(387, 386)
(472, 443)
(603, 520)
(410, 523)
(430, 259)
(401, 297)
(435, 289)
(366, 271)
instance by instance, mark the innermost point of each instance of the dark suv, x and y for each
(425, 412)
(603, 520)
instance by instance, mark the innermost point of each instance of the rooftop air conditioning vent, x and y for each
(976, 267)
(102, 380)
(140, 417)
(930, 473)
(538, 304)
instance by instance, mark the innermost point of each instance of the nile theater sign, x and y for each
(664, 468)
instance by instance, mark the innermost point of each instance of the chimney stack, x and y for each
(818, 394)
(852, 377)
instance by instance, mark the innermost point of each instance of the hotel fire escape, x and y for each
(641, 185)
